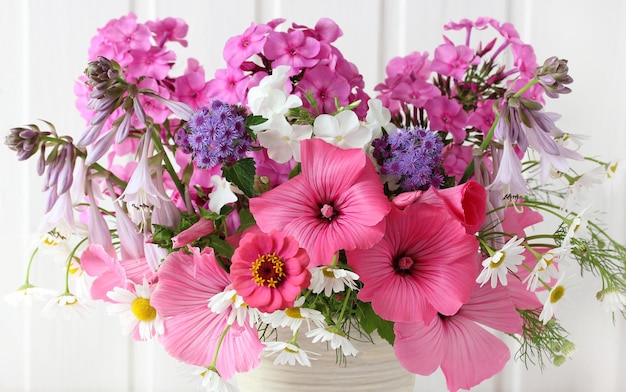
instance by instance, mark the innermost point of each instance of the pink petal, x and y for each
(420, 348)
(493, 308)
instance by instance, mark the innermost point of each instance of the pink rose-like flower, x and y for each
(337, 202)
(269, 270)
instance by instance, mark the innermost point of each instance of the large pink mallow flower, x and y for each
(337, 202)
(425, 264)
(269, 271)
(192, 330)
(466, 352)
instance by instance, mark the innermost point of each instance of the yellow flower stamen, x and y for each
(143, 310)
(557, 293)
(497, 259)
(268, 270)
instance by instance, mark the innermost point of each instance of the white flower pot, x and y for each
(374, 369)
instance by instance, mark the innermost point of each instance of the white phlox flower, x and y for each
(377, 118)
(332, 280)
(282, 139)
(221, 194)
(496, 266)
(343, 130)
(288, 354)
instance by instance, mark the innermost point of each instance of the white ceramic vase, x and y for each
(374, 369)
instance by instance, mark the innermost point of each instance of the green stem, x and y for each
(69, 263)
(30, 263)
(217, 349)
(158, 145)
(344, 306)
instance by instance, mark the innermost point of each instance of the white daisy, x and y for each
(612, 299)
(558, 294)
(496, 266)
(239, 310)
(336, 338)
(27, 293)
(332, 280)
(546, 268)
(288, 354)
(135, 311)
(294, 316)
(68, 305)
(212, 381)
(576, 227)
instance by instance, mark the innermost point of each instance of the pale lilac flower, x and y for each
(60, 218)
(509, 177)
(335, 337)
(167, 214)
(343, 130)
(221, 194)
(497, 266)
(332, 280)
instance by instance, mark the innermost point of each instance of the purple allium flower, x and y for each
(412, 156)
(215, 134)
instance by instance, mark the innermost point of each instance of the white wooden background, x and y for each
(44, 49)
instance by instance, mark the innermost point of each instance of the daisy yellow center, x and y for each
(328, 273)
(268, 270)
(293, 313)
(548, 259)
(143, 310)
(497, 259)
(557, 293)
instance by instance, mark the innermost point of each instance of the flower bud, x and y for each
(25, 141)
(553, 77)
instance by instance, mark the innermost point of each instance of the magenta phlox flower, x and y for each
(337, 202)
(154, 109)
(241, 47)
(453, 60)
(292, 48)
(192, 331)
(455, 159)
(447, 115)
(524, 58)
(229, 85)
(458, 343)
(415, 92)
(169, 30)
(482, 117)
(269, 270)
(425, 264)
(155, 63)
(126, 34)
(325, 86)
(192, 87)
(106, 269)
(407, 81)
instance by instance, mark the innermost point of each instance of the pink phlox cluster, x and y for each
(316, 67)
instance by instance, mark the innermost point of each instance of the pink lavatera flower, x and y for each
(337, 202)
(106, 269)
(269, 271)
(199, 229)
(425, 264)
(457, 343)
(192, 331)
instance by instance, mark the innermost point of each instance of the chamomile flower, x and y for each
(332, 280)
(576, 227)
(212, 381)
(136, 313)
(612, 299)
(294, 316)
(496, 266)
(560, 293)
(546, 268)
(289, 354)
(239, 310)
(68, 305)
(335, 337)
(27, 293)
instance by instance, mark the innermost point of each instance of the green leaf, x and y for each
(246, 220)
(254, 120)
(241, 173)
(297, 169)
(221, 247)
(370, 321)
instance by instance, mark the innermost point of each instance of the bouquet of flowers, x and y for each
(279, 193)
